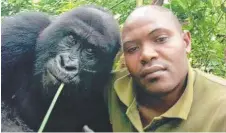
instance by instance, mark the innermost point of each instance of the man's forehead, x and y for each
(147, 11)
(150, 14)
(155, 20)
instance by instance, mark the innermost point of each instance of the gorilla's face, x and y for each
(74, 58)
(76, 50)
(64, 66)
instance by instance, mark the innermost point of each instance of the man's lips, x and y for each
(152, 70)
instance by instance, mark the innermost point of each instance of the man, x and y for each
(160, 91)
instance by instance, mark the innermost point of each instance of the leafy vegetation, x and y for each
(205, 19)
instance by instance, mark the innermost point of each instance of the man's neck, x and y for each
(152, 105)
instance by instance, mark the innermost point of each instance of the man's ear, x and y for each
(187, 41)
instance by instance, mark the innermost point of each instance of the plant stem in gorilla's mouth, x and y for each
(46, 118)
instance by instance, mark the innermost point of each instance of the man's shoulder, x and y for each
(210, 80)
(209, 98)
(209, 89)
(117, 74)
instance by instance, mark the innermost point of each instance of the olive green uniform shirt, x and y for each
(202, 106)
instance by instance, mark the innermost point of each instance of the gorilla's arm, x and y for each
(19, 34)
(11, 122)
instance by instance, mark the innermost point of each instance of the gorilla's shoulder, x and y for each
(22, 29)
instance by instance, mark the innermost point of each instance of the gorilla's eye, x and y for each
(71, 36)
(90, 50)
(72, 39)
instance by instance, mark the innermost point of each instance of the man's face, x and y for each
(155, 52)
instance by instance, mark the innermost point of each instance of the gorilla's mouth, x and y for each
(88, 70)
(62, 77)
(55, 74)
(52, 76)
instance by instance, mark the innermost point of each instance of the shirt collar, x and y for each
(182, 107)
(124, 90)
(123, 87)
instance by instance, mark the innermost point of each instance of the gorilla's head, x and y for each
(77, 46)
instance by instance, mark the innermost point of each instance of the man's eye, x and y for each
(162, 39)
(132, 49)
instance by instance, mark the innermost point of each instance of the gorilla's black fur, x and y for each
(77, 48)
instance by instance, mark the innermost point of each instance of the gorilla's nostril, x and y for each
(62, 61)
(70, 68)
(67, 63)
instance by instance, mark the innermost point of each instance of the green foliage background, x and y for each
(205, 19)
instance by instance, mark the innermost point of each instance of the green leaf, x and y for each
(223, 7)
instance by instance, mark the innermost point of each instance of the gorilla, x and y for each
(78, 49)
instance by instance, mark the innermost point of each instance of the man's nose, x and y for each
(148, 53)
